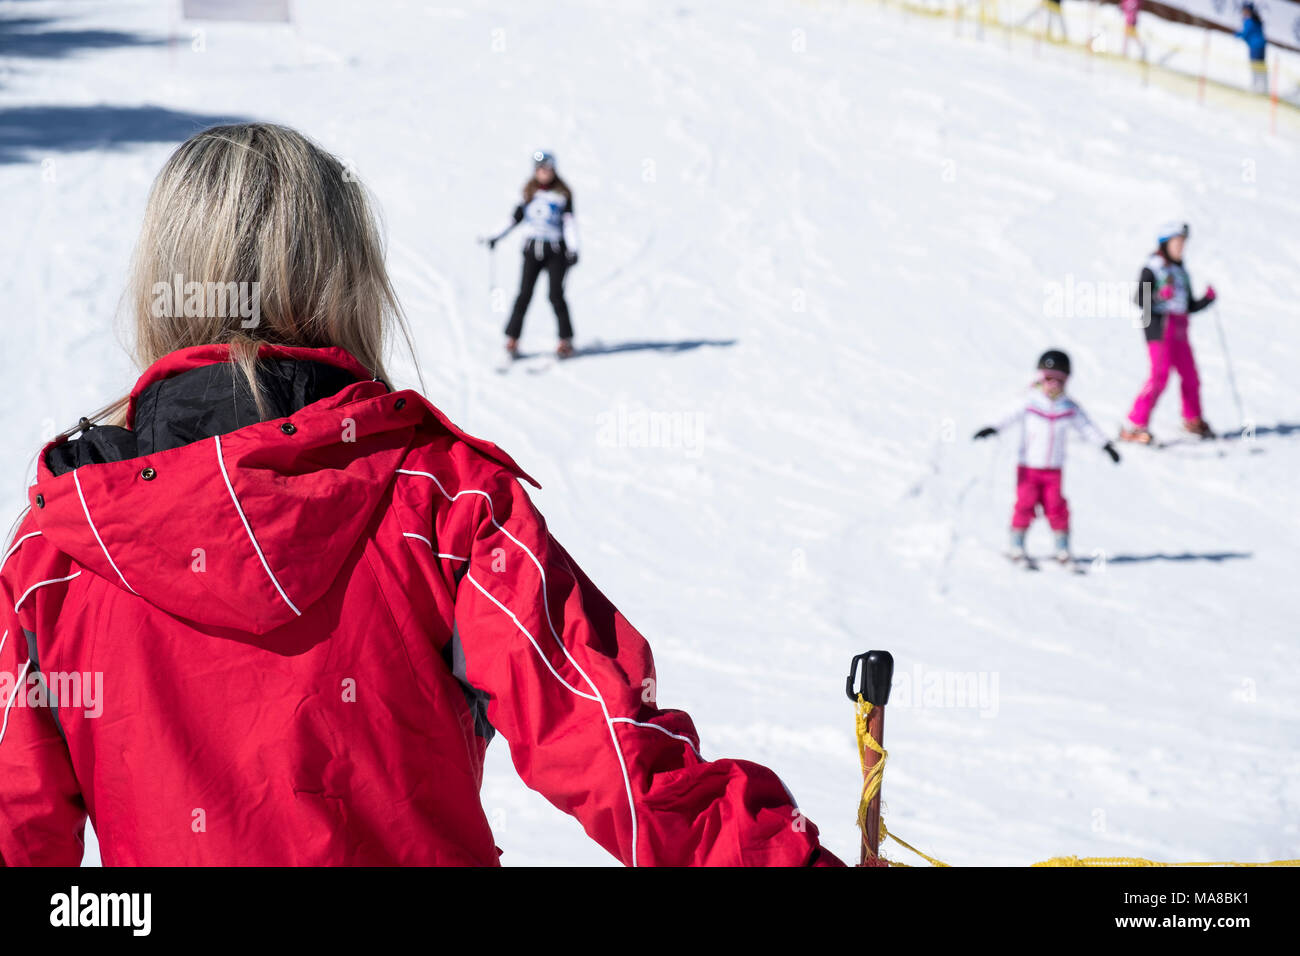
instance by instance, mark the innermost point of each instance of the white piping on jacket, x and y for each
(439, 554)
(511, 614)
(9, 553)
(42, 584)
(76, 479)
(13, 697)
(662, 730)
(266, 567)
(546, 607)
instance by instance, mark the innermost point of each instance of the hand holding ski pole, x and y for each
(491, 243)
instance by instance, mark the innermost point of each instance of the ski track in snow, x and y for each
(826, 269)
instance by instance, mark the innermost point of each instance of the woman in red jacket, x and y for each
(266, 610)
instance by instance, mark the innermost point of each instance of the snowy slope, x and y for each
(821, 245)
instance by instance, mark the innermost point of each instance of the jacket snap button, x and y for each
(148, 474)
(40, 501)
(288, 428)
(401, 403)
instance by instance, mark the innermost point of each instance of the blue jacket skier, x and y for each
(1252, 31)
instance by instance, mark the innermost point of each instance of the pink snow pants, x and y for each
(1174, 349)
(1035, 486)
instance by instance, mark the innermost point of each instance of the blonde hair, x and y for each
(266, 208)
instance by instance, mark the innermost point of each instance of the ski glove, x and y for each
(985, 432)
(1109, 449)
(1209, 293)
(571, 257)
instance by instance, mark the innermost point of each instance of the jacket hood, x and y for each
(222, 519)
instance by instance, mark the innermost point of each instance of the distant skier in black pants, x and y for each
(550, 244)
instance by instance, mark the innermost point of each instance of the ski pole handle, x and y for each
(874, 674)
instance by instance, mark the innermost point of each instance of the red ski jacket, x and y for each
(233, 641)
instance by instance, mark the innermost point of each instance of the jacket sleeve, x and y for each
(1086, 427)
(1196, 305)
(516, 218)
(570, 222)
(571, 687)
(1145, 296)
(1011, 416)
(42, 814)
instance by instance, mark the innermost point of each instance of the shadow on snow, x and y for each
(1215, 556)
(30, 133)
(672, 348)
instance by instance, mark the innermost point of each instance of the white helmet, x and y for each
(1170, 229)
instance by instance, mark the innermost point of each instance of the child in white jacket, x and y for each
(1045, 419)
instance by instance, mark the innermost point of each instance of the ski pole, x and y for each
(873, 673)
(1227, 361)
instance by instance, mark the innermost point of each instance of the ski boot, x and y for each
(564, 349)
(1137, 434)
(1198, 427)
(1062, 555)
(512, 348)
(1016, 552)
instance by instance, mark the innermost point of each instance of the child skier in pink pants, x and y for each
(1165, 295)
(1131, 9)
(1046, 417)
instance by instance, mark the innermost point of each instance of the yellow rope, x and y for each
(871, 780)
(901, 842)
(1138, 861)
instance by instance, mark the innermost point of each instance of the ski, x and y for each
(1023, 561)
(533, 362)
(1072, 564)
(1186, 441)
(548, 361)
(1190, 447)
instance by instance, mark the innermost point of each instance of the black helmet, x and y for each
(1055, 360)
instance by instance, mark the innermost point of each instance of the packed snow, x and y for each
(823, 244)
